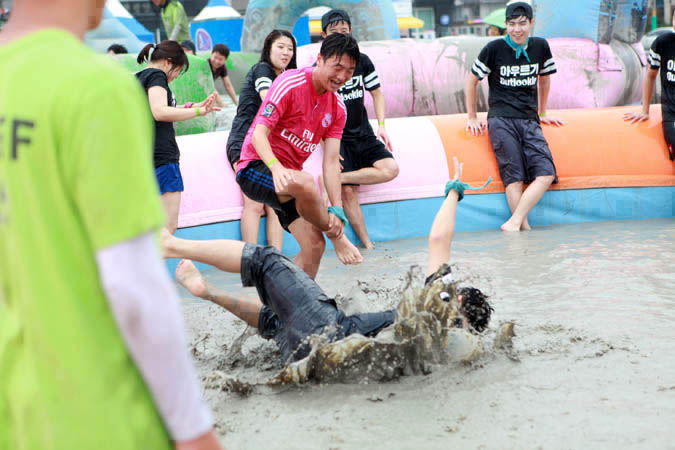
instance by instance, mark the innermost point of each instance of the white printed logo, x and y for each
(327, 119)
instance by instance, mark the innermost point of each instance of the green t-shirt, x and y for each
(75, 177)
(174, 13)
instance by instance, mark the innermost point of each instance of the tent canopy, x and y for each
(217, 10)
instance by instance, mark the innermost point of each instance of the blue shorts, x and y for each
(169, 178)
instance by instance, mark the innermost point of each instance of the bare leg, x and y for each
(529, 198)
(275, 233)
(350, 201)
(223, 254)
(346, 252)
(442, 231)
(247, 309)
(250, 220)
(312, 246)
(382, 171)
(513, 193)
(171, 203)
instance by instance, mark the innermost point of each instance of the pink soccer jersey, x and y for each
(298, 118)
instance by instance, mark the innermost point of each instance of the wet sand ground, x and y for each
(594, 306)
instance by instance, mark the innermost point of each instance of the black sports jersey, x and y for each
(166, 149)
(662, 56)
(259, 78)
(513, 82)
(365, 78)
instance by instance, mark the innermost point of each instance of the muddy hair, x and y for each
(340, 44)
(169, 50)
(476, 308)
(267, 48)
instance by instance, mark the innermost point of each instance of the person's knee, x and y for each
(349, 194)
(254, 207)
(440, 237)
(546, 179)
(314, 243)
(303, 185)
(390, 169)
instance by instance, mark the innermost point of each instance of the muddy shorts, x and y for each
(255, 180)
(362, 153)
(295, 307)
(521, 150)
(669, 134)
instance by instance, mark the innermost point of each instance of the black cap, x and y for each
(189, 44)
(518, 9)
(332, 16)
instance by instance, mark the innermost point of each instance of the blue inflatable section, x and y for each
(589, 19)
(228, 31)
(136, 28)
(413, 218)
(112, 31)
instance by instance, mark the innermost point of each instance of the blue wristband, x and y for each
(456, 185)
(340, 213)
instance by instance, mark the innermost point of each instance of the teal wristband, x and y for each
(456, 185)
(340, 213)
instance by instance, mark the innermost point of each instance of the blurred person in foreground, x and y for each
(92, 346)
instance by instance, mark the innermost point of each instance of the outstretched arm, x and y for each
(443, 228)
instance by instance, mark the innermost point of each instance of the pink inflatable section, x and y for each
(428, 77)
(212, 194)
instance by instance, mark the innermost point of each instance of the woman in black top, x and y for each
(166, 63)
(278, 54)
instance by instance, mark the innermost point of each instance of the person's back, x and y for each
(67, 379)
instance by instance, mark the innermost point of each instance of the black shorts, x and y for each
(255, 180)
(669, 134)
(361, 153)
(295, 307)
(233, 151)
(521, 150)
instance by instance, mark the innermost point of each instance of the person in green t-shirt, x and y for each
(92, 346)
(175, 20)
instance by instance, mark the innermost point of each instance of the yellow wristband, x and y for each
(198, 112)
(272, 161)
(380, 123)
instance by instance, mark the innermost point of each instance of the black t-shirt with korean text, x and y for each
(662, 56)
(166, 149)
(513, 82)
(259, 78)
(365, 78)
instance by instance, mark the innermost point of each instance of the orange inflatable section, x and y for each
(595, 148)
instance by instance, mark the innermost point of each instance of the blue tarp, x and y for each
(112, 31)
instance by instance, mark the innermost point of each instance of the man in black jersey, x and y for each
(366, 157)
(660, 56)
(515, 67)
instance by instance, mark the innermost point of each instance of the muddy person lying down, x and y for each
(319, 341)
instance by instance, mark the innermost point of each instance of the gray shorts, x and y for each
(521, 150)
(295, 307)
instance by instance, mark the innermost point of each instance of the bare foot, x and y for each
(190, 278)
(346, 252)
(510, 226)
(525, 226)
(165, 239)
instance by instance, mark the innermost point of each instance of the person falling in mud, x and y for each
(292, 306)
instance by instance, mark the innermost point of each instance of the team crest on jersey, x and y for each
(327, 119)
(269, 109)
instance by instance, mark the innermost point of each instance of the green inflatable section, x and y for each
(238, 65)
(192, 86)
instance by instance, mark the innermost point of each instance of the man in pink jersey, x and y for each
(301, 109)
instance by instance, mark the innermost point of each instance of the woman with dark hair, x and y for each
(166, 63)
(278, 54)
(217, 60)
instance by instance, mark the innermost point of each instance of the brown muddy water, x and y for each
(594, 307)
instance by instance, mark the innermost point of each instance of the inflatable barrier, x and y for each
(428, 78)
(588, 19)
(192, 86)
(595, 149)
(372, 20)
(631, 20)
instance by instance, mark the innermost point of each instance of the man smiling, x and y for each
(516, 66)
(301, 108)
